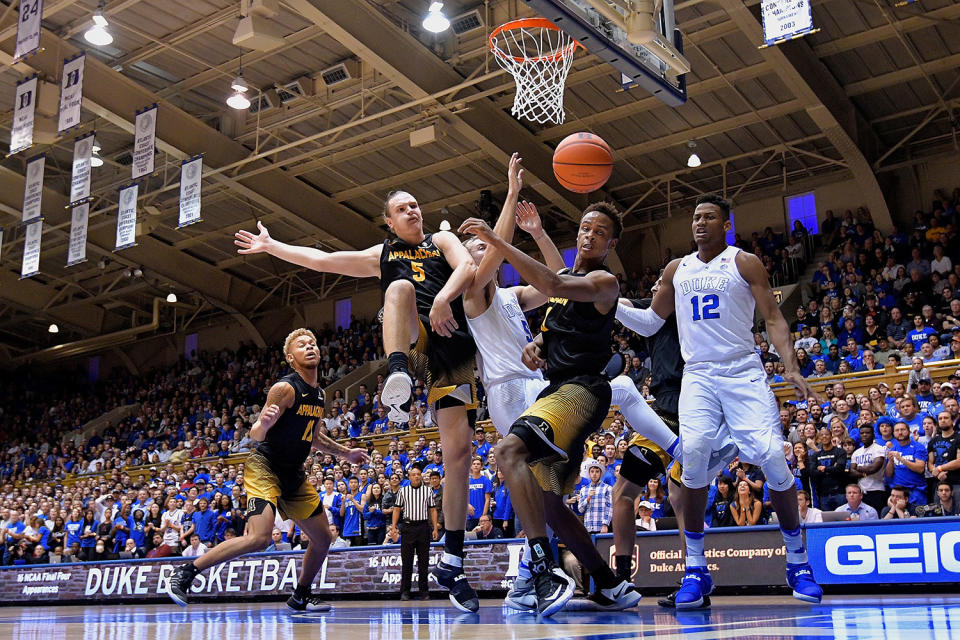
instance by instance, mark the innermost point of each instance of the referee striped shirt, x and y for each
(415, 502)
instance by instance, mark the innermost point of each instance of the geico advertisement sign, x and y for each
(913, 551)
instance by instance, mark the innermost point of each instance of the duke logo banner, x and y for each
(127, 217)
(71, 93)
(80, 182)
(77, 251)
(190, 174)
(21, 132)
(28, 28)
(144, 142)
(33, 189)
(31, 249)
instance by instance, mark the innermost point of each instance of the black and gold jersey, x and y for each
(425, 266)
(287, 444)
(576, 337)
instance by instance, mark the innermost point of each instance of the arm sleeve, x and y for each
(644, 322)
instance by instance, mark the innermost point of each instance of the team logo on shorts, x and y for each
(251, 506)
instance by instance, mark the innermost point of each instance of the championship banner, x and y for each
(71, 93)
(77, 251)
(28, 29)
(785, 19)
(80, 180)
(191, 171)
(21, 131)
(33, 189)
(127, 218)
(31, 249)
(144, 142)
(255, 577)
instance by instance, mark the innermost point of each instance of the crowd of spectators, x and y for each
(891, 450)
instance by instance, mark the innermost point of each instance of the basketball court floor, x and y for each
(849, 618)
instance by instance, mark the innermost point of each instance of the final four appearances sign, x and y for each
(785, 19)
(28, 28)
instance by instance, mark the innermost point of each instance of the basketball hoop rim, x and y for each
(523, 23)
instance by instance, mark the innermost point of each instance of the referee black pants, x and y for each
(414, 538)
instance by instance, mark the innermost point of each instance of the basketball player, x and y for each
(714, 292)
(274, 476)
(637, 469)
(550, 434)
(423, 277)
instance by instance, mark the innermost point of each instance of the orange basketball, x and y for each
(582, 162)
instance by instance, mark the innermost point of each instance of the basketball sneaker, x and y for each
(452, 578)
(308, 603)
(180, 583)
(670, 601)
(800, 579)
(622, 596)
(695, 586)
(554, 588)
(396, 395)
(522, 595)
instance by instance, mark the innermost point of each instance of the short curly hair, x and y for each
(610, 210)
(296, 333)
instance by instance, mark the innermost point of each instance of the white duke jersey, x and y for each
(714, 309)
(501, 333)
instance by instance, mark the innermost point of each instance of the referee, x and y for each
(416, 503)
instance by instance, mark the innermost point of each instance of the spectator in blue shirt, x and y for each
(920, 333)
(351, 510)
(137, 526)
(854, 356)
(906, 461)
(373, 516)
(483, 447)
(480, 490)
(88, 534)
(435, 465)
(73, 527)
(850, 332)
(503, 510)
(204, 522)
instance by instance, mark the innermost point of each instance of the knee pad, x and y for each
(622, 391)
(778, 474)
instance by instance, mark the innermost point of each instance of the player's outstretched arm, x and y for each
(464, 271)
(778, 330)
(647, 322)
(279, 399)
(598, 287)
(505, 225)
(358, 264)
(528, 218)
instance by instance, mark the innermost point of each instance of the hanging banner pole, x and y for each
(71, 93)
(144, 142)
(191, 171)
(24, 108)
(33, 189)
(28, 29)
(127, 217)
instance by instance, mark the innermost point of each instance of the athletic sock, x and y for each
(604, 578)
(453, 543)
(796, 553)
(397, 361)
(624, 567)
(541, 556)
(695, 557)
(523, 573)
(302, 591)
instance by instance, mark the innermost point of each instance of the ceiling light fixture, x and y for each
(98, 35)
(436, 22)
(54, 329)
(238, 99)
(171, 297)
(694, 160)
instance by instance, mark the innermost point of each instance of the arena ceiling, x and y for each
(875, 88)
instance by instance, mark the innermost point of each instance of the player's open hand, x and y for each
(531, 357)
(250, 243)
(515, 173)
(528, 219)
(441, 318)
(357, 456)
(268, 417)
(477, 227)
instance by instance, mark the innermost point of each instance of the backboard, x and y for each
(653, 60)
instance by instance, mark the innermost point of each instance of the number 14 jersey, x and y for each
(714, 309)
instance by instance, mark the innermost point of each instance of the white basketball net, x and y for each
(538, 55)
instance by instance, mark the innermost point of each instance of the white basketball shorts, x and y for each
(723, 402)
(508, 399)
